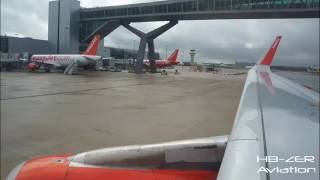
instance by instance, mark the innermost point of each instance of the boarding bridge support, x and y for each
(148, 38)
(104, 29)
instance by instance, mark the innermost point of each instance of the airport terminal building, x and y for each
(63, 37)
(13, 48)
(63, 28)
(17, 47)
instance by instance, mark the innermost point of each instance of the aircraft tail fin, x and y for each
(173, 57)
(93, 46)
(267, 60)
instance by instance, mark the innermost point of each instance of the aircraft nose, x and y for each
(14, 173)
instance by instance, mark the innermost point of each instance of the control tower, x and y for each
(192, 54)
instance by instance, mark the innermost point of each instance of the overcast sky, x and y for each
(235, 40)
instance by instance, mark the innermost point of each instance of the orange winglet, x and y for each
(267, 60)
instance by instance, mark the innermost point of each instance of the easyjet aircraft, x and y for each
(275, 136)
(171, 61)
(66, 60)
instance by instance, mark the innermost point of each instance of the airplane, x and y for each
(171, 61)
(314, 69)
(275, 136)
(67, 61)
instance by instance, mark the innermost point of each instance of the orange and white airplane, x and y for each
(275, 136)
(66, 60)
(171, 61)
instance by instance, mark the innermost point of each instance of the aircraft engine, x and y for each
(33, 66)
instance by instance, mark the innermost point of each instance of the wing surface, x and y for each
(278, 119)
(51, 63)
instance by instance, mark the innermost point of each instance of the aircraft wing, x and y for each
(275, 135)
(91, 58)
(51, 63)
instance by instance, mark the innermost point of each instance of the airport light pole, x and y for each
(166, 51)
(67, 42)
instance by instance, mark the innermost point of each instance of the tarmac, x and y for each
(51, 113)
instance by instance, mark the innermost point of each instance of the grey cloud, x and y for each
(26, 18)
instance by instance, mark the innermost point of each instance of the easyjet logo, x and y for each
(92, 43)
(49, 58)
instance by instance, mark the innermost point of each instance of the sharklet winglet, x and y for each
(267, 60)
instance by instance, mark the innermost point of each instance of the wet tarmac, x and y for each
(51, 113)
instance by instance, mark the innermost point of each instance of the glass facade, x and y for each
(201, 5)
(4, 44)
(90, 19)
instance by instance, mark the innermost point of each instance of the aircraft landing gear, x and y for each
(164, 72)
(47, 68)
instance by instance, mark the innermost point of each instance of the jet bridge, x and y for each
(104, 20)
